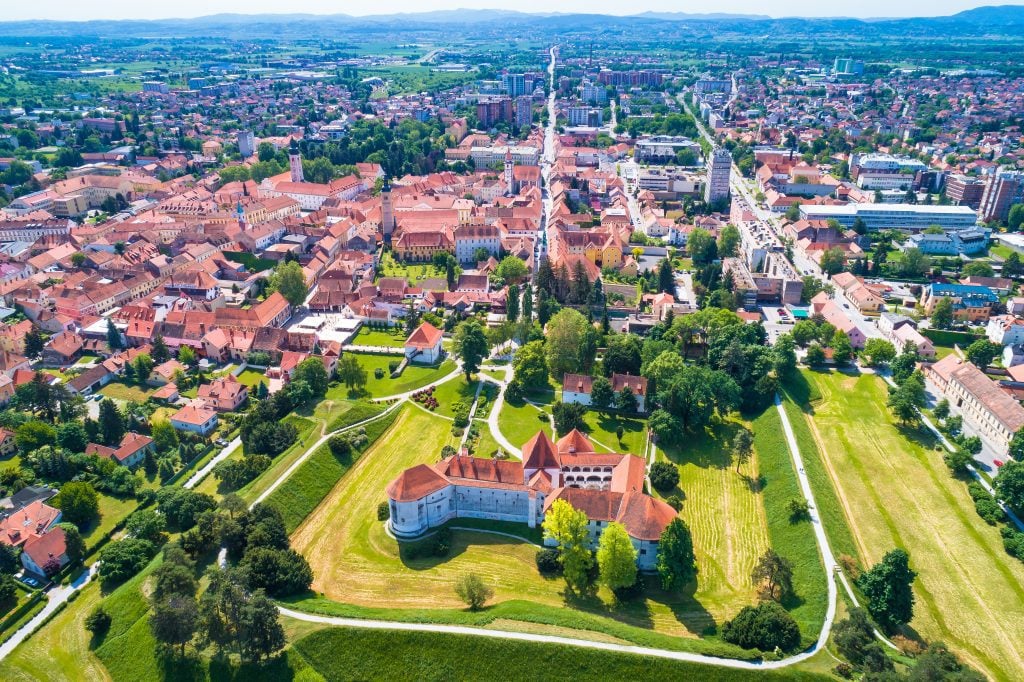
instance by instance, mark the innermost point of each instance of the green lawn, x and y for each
(451, 392)
(413, 273)
(379, 337)
(382, 654)
(112, 511)
(485, 445)
(298, 496)
(413, 377)
(133, 393)
(519, 422)
(602, 427)
(895, 491)
(251, 377)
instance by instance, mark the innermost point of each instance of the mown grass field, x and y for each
(413, 377)
(453, 391)
(377, 337)
(382, 655)
(726, 518)
(601, 427)
(895, 491)
(520, 421)
(133, 393)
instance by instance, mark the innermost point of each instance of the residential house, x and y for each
(225, 394)
(195, 419)
(424, 344)
(130, 452)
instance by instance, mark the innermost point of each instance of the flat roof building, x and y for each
(909, 217)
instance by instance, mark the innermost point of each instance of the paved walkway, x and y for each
(408, 394)
(56, 597)
(492, 418)
(198, 476)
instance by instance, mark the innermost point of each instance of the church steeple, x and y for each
(387, 211)
(510, 165)
(295, 161)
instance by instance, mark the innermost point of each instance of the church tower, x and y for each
(387, 211)
(241, 215)
(509, 172)
(295, 162)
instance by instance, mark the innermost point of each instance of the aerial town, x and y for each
(482, 343)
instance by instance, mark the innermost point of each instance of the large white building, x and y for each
(607, 487)
(719, 168)
(908, 217)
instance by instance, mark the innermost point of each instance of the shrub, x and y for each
(844, 670)
(393, 365)
(675, 501)
(378, 373)
(460, 412)
(340, 446)
(98, 622)
(383, 511)
(664, 475)
(798, 510)
(442, 543)
(472, 590)
(1013, 542)
(547, 562)
(765, 627)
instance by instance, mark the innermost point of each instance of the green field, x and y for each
(414, 273)
(308, 432)
(519, 422)
(451, 392)
(413, 377)
(895, 491)
(602, 426)
(378, 337)
(134, 393)
(251, 377)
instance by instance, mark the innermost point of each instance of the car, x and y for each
(31, 582)
(998, 462)
(221, 442)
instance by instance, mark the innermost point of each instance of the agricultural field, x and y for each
(895, 491)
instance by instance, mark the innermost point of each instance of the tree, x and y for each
(570, 343)
(569, 528)
(527, 302)
(530, 365)
(122, 559)
(625, 401)
(281, 572)
(98, 621)
(616, 558)
(832, 261)
(186, 355)
(568, 416)
(72, 437)
(470, 344)
(261, 634)
(601, 393)
(313, 372)
(942, 313)
(147, 524)
(855, 639)
(174, 621)
(113, 336)
(143, 366)
(939, 663)
(1015, 218)
(1012, 266)
(160, 353)
(351, 373)
(473, 590)
(164, 435)
(623, 355)
(978, 268)
(181, 506)
(742, 447)
(774, 574)
(666, 278)
(728, 241)
(111, 422)
(174, 579)
(512, 299)
(78, 503)
(1009, 484)
(664, 476)
(73, 542)
(766, 626)
(511, 269)
(33, 343)
(1016, 449)
(982, 352)
(842, 349)
(910, 397)
(804, 332)
(701, 247)
(289, 280)
(815, 355)
(878, 352)
(914, 263)
(677, 564)
(887, 587)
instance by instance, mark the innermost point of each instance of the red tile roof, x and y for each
(416, 483)
(425, 336)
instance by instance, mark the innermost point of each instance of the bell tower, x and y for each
(295, 162)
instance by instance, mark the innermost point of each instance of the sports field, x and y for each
(896, 491)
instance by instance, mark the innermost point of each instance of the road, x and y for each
(198, 476)
(547, 159)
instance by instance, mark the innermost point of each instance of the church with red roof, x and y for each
(608, 487)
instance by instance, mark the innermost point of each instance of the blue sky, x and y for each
(135, 9)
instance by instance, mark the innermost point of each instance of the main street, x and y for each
(547, 159)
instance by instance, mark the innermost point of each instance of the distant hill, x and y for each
(713, 16)
(994, 15)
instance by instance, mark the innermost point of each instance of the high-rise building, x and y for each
(1003, 190)
(155, 86)
(514, 84)
(524, 111)
(585, 116)
(246, 143)
(295, 162)
(387, 211)
(964, 190)
(592, 93)
(494, 110)
(844, 66)
(719, 168)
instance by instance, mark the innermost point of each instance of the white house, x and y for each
(424, 344)
(576, 388)
(196, 419)
(1005, 329)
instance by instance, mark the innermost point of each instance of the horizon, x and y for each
(123, 10)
